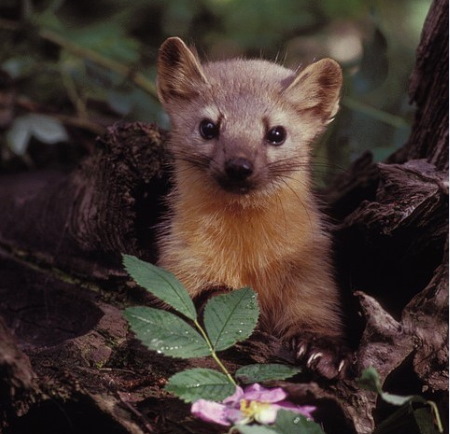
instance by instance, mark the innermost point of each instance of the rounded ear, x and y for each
(179, 71)
(317, 89)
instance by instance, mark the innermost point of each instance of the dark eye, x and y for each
(276, 135)
(208, 129)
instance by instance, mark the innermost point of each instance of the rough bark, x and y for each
(67, 360)
(428, 89)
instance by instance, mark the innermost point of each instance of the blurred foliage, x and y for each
(86, 64)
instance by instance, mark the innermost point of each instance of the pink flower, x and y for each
(255, 403)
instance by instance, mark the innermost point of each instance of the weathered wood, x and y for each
(80, 221)
(393, 243)
(428, 89)
(16, 378)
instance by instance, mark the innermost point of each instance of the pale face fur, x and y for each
(263, 229)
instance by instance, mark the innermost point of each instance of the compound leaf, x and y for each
(230, 318)
(161, 284)
(200, 383)
(166, 333)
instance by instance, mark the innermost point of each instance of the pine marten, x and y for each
(242, 211)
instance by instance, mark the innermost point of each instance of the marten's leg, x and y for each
(310, 322)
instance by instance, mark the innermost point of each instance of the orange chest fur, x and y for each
(237, 246)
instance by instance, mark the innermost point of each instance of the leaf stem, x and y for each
(437, 418)
(380, 115)
(213, 353)
(136, 77)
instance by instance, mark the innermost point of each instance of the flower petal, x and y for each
(234, 399)
(234, 415)
(304, 410)
(210, 411)
(267, 415)
(256, 392)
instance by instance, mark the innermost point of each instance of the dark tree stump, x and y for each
(67, 360)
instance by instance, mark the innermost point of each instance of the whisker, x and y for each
(294, 164)
(300, 200)
(281, 206)
(197, 160)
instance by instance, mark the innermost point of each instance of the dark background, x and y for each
(84, 65)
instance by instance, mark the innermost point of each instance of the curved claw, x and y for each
(313, 357)
(325, 355)
(301, 351)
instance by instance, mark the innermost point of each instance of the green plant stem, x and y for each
(213, 353)
(74, 96)
(437, 417)
(380, 115)
(136, 77)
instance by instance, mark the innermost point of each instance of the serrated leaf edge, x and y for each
(167, 387)
(189, 310)
(128, 313)
(244, 292)
(255, 379)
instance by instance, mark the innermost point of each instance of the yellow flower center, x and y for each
(252, 409)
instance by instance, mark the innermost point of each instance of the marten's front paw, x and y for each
(328, 356)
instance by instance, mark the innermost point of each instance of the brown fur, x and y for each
(269, 235)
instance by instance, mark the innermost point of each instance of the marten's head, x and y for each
(247, 124)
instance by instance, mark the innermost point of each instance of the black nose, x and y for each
(238, 168)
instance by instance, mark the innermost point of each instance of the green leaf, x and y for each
(370, 380)
(288, 422)
(45, 128)
(20, 66)
(166, 333)
(160, 283)
(254, 429)
(415, 417)
(107, 38)
(390, 398)
(272, 371)
(230, 318)
(427, 422)
(200, 383)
